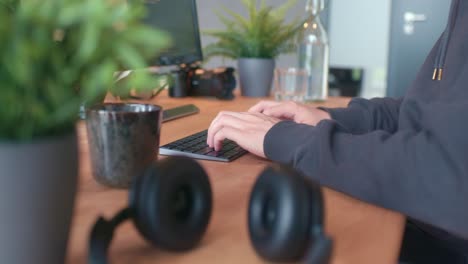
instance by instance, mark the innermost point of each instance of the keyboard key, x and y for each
(171, 146)
(195, 146)
(214, 154)
(204, 150)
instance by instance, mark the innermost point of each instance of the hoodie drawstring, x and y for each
(439, 62)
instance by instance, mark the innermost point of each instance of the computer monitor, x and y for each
(179, 19)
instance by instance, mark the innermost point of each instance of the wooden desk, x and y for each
(362, 233)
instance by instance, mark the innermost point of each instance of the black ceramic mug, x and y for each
(123, 140)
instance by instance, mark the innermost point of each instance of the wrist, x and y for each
(325, 112)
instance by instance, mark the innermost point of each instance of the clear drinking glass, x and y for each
(290, 84)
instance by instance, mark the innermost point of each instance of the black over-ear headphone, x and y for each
(285, 218)
(170, 205)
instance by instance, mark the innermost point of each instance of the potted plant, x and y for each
(54, 55)
(255, 41)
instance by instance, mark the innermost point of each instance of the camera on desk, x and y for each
(218, 82)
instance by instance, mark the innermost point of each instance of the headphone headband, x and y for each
(102, 234)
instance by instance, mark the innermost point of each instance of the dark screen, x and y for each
(179, 19)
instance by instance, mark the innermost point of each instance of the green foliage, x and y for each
(263, 34)
(56, 54)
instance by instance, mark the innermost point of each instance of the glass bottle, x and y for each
(313, 52)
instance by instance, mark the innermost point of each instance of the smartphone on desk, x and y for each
(179, 111)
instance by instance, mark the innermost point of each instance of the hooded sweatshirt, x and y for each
(410, 154)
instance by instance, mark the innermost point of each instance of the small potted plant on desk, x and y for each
(255, 42)
(54, 55)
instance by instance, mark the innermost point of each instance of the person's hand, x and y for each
(248, 130)
(290, 110)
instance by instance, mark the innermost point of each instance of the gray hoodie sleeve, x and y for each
(362, 115)
(420, 173)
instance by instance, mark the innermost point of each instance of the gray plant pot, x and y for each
(37, 191)
(255, 76)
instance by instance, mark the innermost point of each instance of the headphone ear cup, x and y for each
(278, 216)
(320, 250)
(138, 196)
(173, 206)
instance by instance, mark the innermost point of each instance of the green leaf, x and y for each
(56, 54)
(243, 22)
(218, 49)
(262, 34)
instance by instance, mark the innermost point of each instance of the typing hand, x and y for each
(299, 113)
(248, 130)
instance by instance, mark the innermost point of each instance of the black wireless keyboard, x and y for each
(195, 146)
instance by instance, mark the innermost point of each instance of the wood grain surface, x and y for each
(362, 233)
